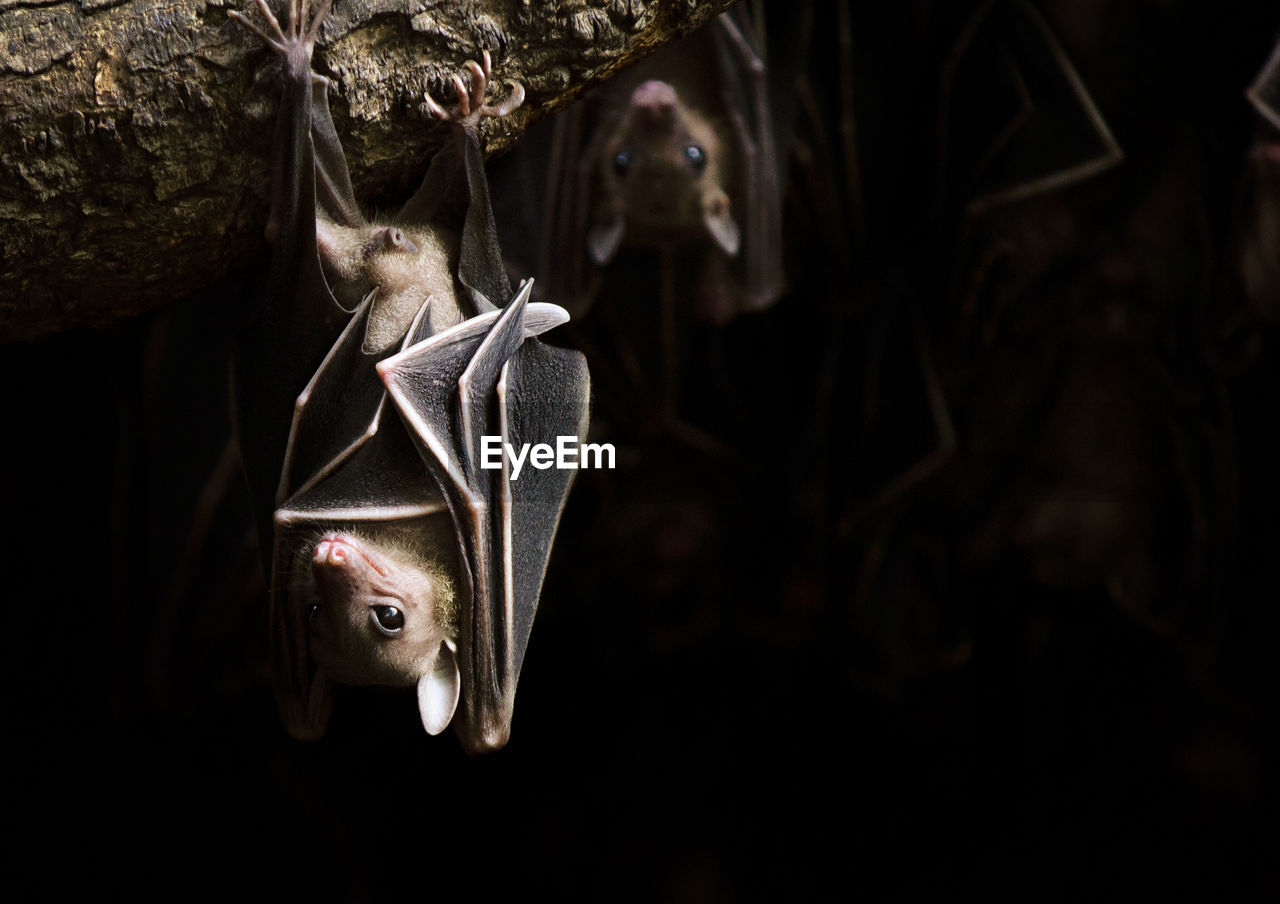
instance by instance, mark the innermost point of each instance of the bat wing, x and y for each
(299, 321)
(488, 377)
(337, 410)
(480, 266)
(529, 199)
(349, 459)
(745, 89)
(1008, 77)
(543, 394)
(381, 479)
(334, 194)
(456, 179)
(1264, 93)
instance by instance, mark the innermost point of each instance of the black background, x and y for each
(751, 676)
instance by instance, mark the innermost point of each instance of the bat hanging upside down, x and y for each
(677, 155)
(381, 355)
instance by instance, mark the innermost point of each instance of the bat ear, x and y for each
(438, 690)
(719, 221)
(603, 240)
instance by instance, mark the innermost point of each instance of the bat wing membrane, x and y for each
(347, 461)
(300, 320)
(1048, 132)
(452, 182)
(544, 393)
(480, 378)
(338, 410)
(744, 84)
(336, 197)
(301, 696)
(1264, 93)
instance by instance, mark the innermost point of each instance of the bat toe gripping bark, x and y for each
(377, 363)
(471, 105)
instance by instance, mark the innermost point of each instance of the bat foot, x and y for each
(471, 105)
(296, 39)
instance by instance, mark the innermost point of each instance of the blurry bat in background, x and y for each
(1017, 127)
(1260, 248)
(1015, 118)
(1264, 93)
(677, 153)
(362, 390)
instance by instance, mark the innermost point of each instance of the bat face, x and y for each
(377, 618)
(677, 155)
(380, 613)
(662, 174)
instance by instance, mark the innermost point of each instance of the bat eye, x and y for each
(313, 614)
(622, 162)
(696, 156)
(388, 619)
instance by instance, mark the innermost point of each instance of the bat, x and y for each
(1017, 128)
(1264, 92)
(677, 153)
(655, 206)
(378, 360)
(1259, 252)
(1016, 124)
(1016, 120)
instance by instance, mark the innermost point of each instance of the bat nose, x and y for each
(655, 104)
(330, 551)
(655, 95)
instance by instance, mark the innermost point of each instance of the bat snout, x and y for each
(654, 104)
(335, 564)
(344, 568)
(654, 94)
(332, 551)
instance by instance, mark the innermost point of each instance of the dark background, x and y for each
(763, 666)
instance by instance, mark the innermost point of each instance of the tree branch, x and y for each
(134, 135)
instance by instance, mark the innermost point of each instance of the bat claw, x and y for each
(471, 91)
(434, 109)
(513, 102)
(479, 84)
(464, 99)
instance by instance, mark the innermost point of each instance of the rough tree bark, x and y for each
(134, 133)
